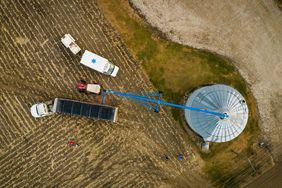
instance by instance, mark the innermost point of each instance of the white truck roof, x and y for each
(34, 111)
(69, 42)
(94, 61)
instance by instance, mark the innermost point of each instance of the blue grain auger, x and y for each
(152, 101)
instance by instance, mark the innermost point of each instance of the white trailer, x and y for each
(98, 63)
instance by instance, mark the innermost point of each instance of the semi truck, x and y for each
(90, 59)
(75, 108)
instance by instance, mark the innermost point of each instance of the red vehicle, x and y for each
(83, 87)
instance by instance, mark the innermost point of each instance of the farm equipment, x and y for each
(75, 108)
(83, 87)
(152, 101)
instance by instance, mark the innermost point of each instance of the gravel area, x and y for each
(247, 32)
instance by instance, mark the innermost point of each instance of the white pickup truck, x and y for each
(90, 59)
(69, 42)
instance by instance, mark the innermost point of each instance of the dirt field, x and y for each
(34, 66)
(271, 179)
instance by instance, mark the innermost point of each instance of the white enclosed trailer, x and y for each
(98, 63)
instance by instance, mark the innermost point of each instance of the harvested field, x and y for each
(34, 66)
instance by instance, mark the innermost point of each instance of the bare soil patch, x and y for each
(35, 66)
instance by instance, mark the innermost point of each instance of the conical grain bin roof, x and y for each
(222, 99)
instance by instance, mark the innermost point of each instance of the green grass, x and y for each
(176, 69)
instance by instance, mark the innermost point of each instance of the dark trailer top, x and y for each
(84, 109)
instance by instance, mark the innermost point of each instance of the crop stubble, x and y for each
(34, 66)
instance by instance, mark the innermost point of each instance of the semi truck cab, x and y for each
(42, 109)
